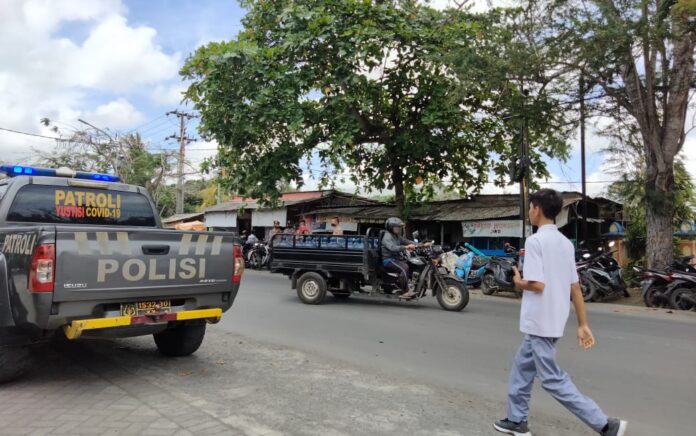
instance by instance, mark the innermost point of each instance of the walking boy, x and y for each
(550, 280)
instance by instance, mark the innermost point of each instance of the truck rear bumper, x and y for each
(75, 328)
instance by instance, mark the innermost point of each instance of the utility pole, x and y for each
(582, 158)
(524, 159)
(183, 140)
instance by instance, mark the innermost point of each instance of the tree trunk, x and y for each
(662, 145)
(399, 196)
(659, 198)
(659, 247)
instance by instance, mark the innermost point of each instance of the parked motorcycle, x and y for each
(655, 286)
(601, 276)
(497, 276)
(258, 256)
(682, 291)
(469, 264)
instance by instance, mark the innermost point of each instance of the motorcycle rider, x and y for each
(251, 239)
(394, 251)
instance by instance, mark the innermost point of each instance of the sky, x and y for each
(115, 63)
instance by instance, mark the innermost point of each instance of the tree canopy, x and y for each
(392, 94)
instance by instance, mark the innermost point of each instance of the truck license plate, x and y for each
(145, 307)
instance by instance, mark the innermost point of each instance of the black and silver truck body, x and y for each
(91, 258)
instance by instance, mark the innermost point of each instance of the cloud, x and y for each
(168, 95)
(63, 60)
(118, 57)
(197, 152)
(117, 114)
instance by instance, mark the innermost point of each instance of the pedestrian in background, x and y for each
(550, 280)
(336, 224)
(302, 229)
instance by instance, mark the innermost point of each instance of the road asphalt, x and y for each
(641, 369)
(274, 366)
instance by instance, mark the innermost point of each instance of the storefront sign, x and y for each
(494, 229)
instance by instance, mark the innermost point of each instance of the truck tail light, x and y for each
(238, 264)
(42, 272)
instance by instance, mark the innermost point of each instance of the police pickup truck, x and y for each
(84, 255)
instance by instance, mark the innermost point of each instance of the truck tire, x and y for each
(181, 340)
(454, 297)
(311, 288)
(14, 361)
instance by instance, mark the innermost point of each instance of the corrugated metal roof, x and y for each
(464, 212)
(433, 212)
(182, 217)
(287, 199)
(229, 206)
(480, 207)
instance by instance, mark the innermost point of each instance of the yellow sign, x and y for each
(81, 204)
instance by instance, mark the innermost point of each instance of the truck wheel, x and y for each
(181, 340)
(311, 288)
(454, 297)
(13, 362)
(488, 284)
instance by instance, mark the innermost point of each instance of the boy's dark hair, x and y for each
(549, 201)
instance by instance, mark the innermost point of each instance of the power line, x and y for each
(32, 134)
(149, 122)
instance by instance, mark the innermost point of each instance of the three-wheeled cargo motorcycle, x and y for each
(348, 265)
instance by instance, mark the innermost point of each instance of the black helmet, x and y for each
(393, 222)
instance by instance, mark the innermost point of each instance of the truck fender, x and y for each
(6, 318)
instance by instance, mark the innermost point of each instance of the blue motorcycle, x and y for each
(467, 266)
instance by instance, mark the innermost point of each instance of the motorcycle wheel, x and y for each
(253, 261)
(683, 299)
(454, 297)
(589, 291)
(488, 284)
(649, 297)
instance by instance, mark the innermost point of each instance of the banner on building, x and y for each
(494, 229)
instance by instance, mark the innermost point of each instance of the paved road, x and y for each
(642, 367)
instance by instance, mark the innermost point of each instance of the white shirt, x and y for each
(549, 257)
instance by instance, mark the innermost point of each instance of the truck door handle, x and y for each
(156, 249)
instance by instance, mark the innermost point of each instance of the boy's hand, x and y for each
(516, 276)
(585, 337)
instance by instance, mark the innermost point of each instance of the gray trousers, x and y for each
(537, 357)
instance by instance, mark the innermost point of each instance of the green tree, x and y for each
(626, 159)
(362, 87)
(639, 55)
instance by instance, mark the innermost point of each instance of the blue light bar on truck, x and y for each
(20, 170)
